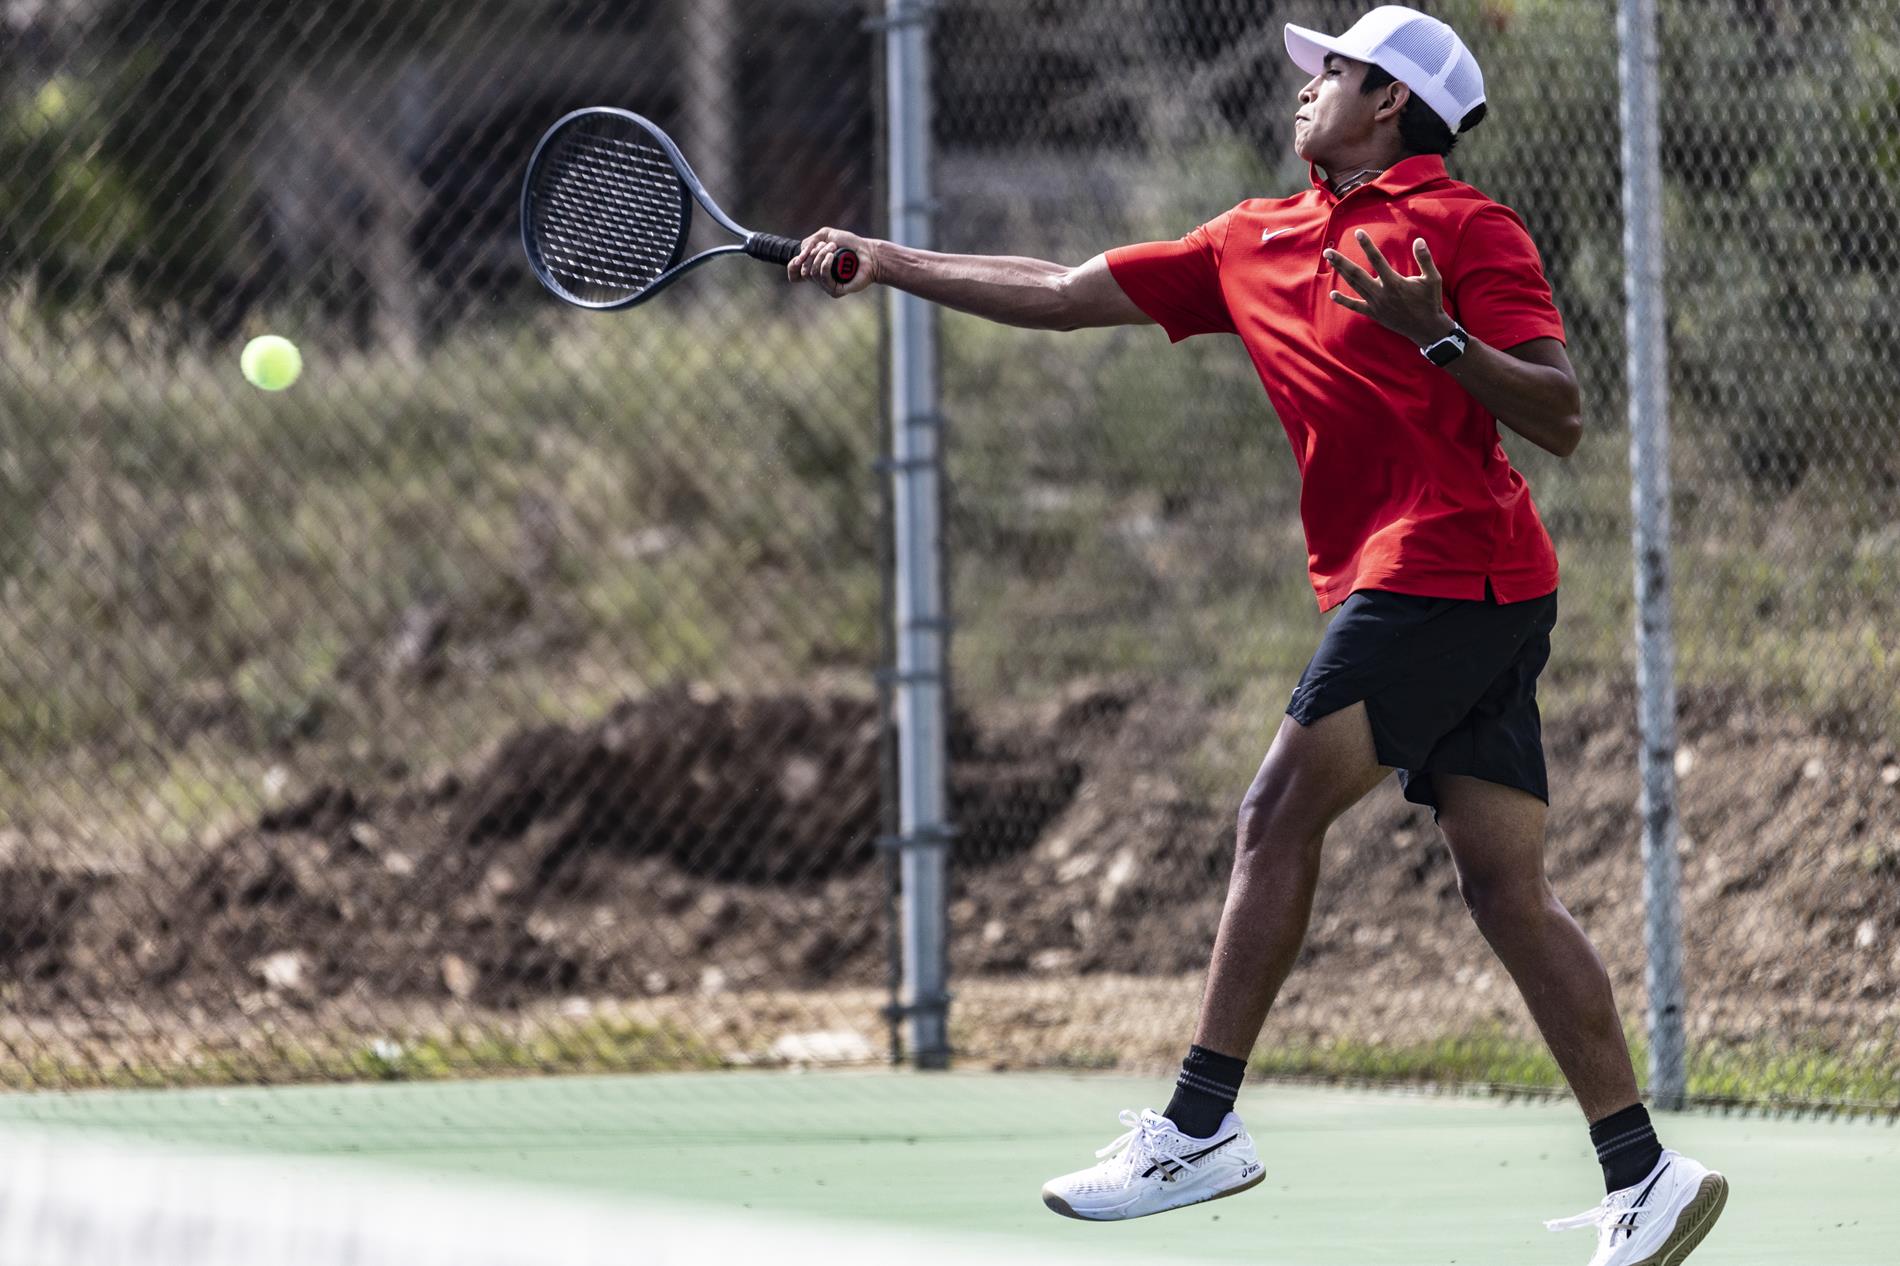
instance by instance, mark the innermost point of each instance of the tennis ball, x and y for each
(272, 363)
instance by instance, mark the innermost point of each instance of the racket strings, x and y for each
(578, 230)
(636, 210)
(643, 243)
(611, 214)
(606, 245)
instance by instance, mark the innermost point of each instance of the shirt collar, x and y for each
(1400, 178)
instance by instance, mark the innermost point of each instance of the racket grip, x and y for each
(774, 249)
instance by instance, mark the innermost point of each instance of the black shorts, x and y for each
(1449, 684)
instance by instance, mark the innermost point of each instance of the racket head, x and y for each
(606, 208)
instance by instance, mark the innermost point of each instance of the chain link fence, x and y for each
(500, 697)
(1130, 572)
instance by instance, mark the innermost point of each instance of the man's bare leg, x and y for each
(1311, 775)
(1496, 835)
(1661, 1204)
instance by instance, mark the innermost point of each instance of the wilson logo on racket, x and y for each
(607, 206)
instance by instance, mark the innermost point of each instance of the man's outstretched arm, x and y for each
(1031, 293)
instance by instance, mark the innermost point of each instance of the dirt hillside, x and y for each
(691, 844)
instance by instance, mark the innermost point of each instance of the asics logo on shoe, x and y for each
(1661, 1219)
(1172, 1165)
(1628, 1224)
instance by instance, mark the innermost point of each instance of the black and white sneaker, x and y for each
(1154, 1167)
(1657, 1222)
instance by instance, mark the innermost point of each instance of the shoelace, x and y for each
(1607, 1218)
(1143, 1142)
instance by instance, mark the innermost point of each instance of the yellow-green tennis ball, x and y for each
(272, 363)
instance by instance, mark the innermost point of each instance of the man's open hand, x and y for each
(1410, 306)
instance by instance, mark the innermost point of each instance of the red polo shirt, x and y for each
(1404, 485)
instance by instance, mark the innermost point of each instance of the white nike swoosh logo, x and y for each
(1267, 235)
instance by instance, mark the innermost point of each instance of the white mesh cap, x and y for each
(1414, 48)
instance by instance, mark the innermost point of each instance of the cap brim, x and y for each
(1308, 48)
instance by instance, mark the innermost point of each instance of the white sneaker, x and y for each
(1154, 1167)
(1657, 1222)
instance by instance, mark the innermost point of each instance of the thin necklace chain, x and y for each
(1343, 185)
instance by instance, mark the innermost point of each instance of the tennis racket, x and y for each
(606, 208)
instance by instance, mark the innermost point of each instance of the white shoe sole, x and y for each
(1057, 1204)
(1692, 1224)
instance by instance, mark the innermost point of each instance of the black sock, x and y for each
(1204, 1093)
(1627, 1147)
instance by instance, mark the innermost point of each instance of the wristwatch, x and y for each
(1447, 349)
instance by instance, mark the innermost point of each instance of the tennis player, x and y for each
(1396, 317)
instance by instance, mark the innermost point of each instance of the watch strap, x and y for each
(1447, 349)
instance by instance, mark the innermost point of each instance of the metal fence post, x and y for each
(923, 832)
(1649, 469)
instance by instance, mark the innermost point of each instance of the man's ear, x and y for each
(1392, 101)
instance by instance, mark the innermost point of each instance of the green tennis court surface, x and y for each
(1356, 1177)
